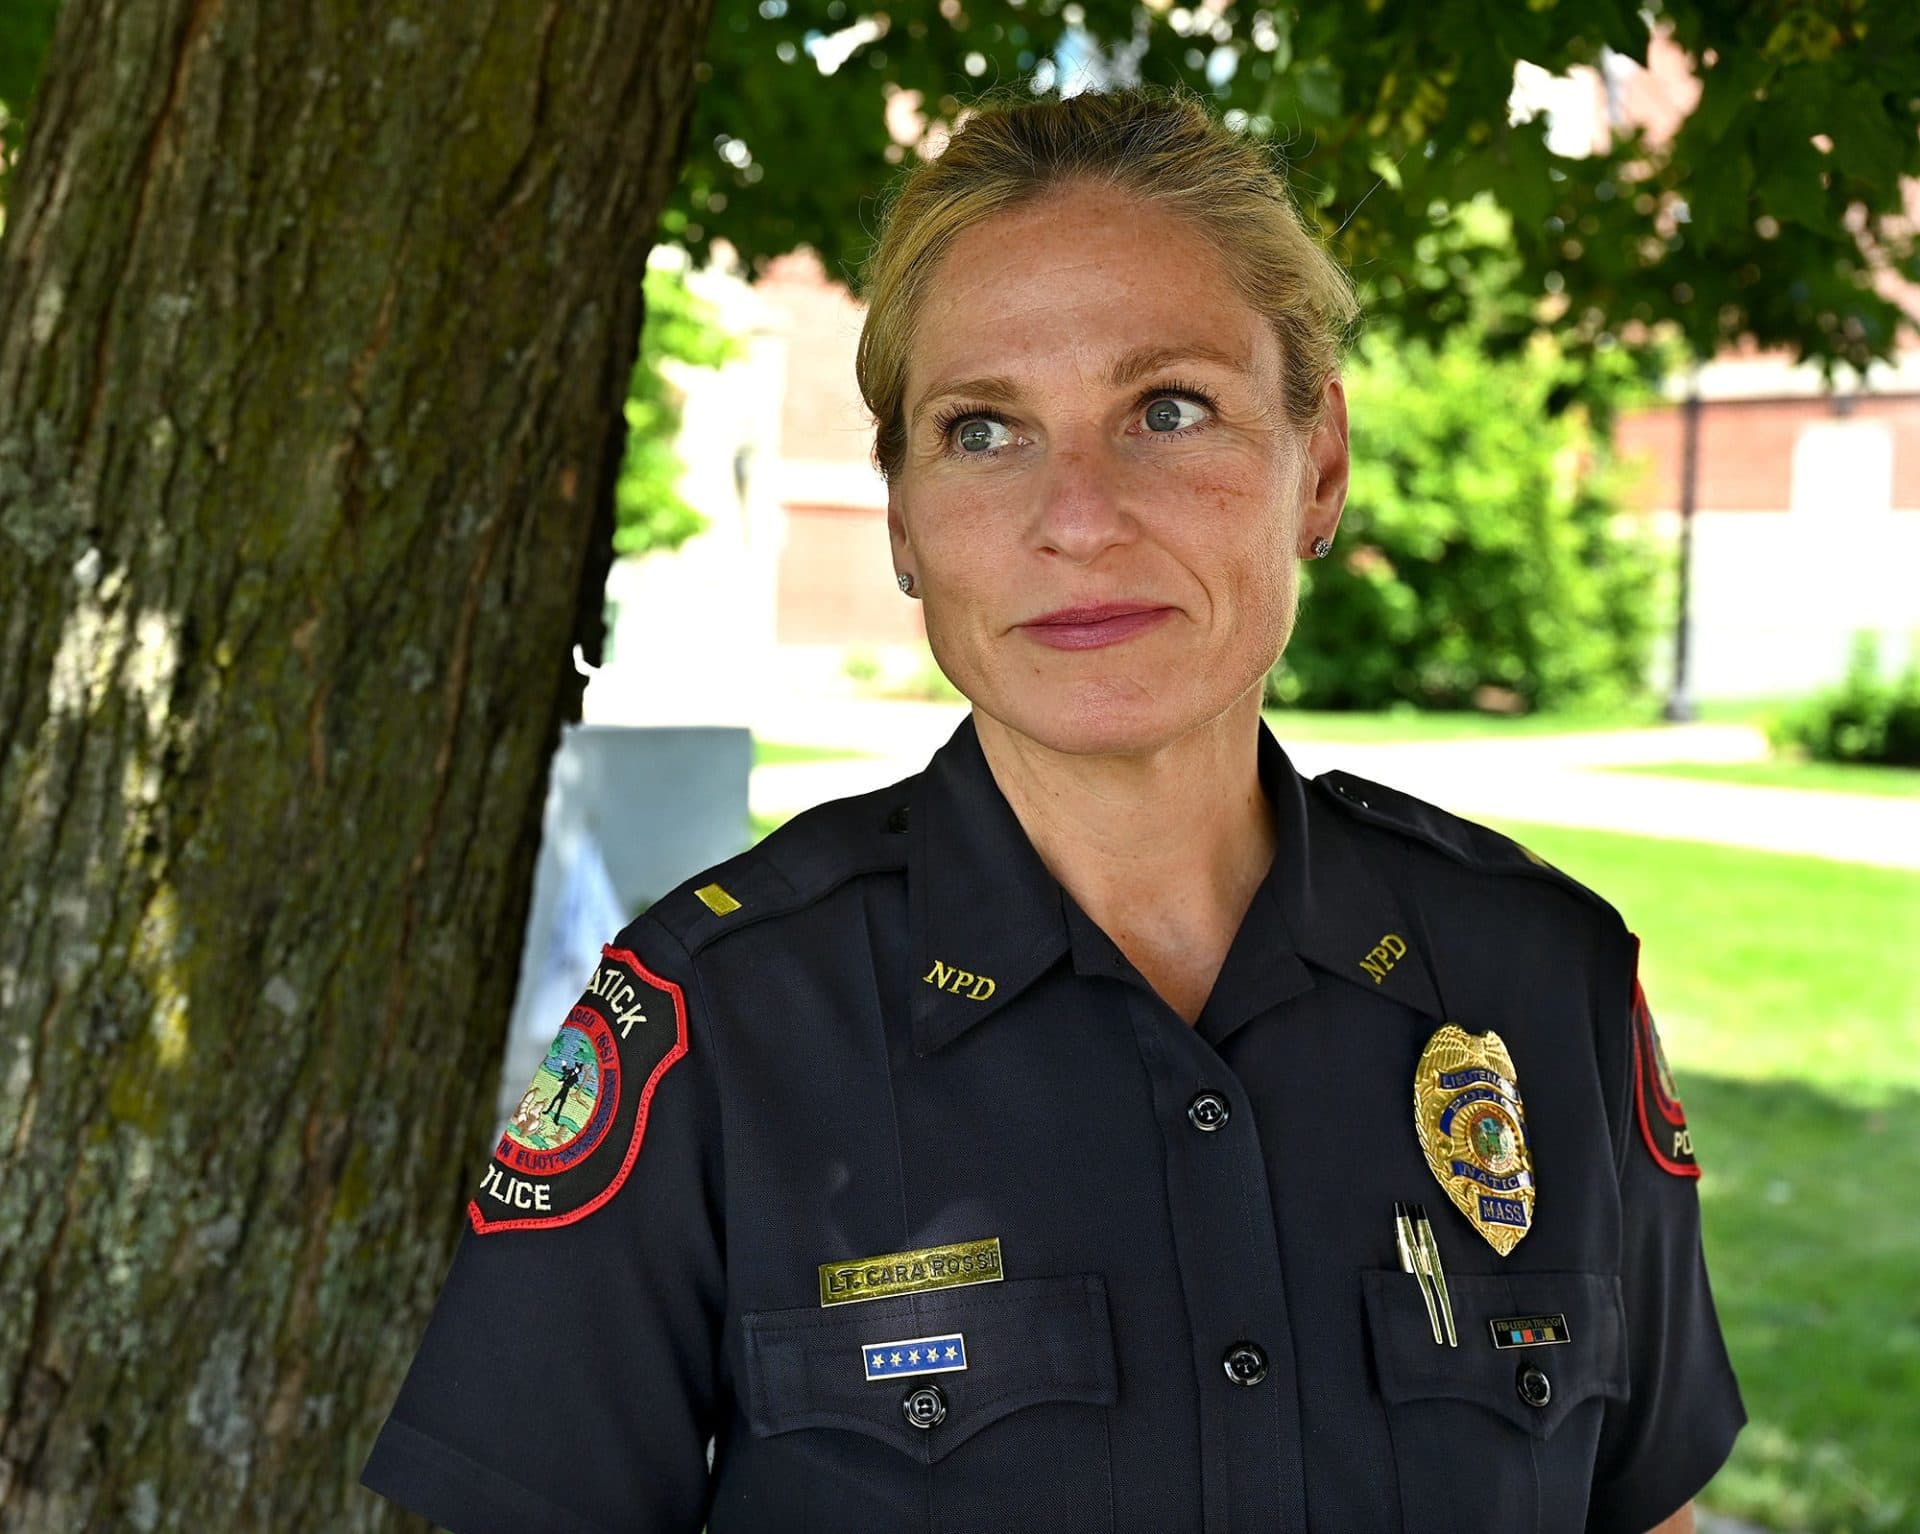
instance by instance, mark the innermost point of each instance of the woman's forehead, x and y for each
(1078, 247)
(1109, 288)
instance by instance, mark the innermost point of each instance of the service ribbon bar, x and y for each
(1527, 1331)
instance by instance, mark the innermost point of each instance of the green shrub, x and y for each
(1482, 553)
(649, 512)
(899, 671)
(1869, 717)
(860, 665)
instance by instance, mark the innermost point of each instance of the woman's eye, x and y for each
(974, 437)
(1163, 414)
(972, 433)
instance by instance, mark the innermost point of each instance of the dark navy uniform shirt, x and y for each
(887, 1029)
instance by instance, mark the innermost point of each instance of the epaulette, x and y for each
(1465, 841)
(798, 862)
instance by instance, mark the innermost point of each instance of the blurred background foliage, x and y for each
(1482, 560)
(26, 28)
(1870, 717)
(1516, 298)
(1738, 225)
(1486, 558)
(649, 511)
(1763, 216)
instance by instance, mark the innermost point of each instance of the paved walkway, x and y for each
(1553, 779)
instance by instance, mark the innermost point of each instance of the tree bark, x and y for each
(315, 329)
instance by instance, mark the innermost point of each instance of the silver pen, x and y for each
(1426, 1246)
(1411, 1261)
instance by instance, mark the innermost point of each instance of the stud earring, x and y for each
(906, 583)
(1322, 547)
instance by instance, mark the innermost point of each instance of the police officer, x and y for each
(1105, 1128)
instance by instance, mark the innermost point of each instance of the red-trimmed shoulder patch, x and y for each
(1656, 1100)
(574, 1136)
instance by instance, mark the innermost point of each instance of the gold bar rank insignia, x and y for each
(930, 1267)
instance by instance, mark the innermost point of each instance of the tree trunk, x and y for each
(315, 329)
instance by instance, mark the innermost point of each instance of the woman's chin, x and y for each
(1093, 718)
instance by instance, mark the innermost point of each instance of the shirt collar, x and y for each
(989, 918)
(1337, 895)
(987, 914)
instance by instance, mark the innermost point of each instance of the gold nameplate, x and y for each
(1473, 1131)
(931, 1267)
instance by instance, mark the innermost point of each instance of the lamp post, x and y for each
(1679, 708)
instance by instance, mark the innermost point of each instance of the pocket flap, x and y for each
(1027, 1340)
(1412, 1366)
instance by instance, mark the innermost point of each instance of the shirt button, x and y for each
(1208, 1112)
(925, 1406)
(1534, 1386)
(1245, 1363)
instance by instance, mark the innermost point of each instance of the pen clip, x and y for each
(1413, 1260)
(1426, 1245)
(1403, 1237)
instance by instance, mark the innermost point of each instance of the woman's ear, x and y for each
(1327, 471)
(897, 533)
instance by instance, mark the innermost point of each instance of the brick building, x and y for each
(1807, 503)
(1807, 519)
(836, 582)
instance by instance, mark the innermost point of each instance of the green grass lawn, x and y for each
(1789, 1003)
(1371, 725)
(1832, 777)
(1465, 724)
(1393, 725)
(1411, 724)
(778, 753)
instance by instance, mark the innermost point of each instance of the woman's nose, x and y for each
(1082, 509)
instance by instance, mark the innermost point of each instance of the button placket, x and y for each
(1222, 1217)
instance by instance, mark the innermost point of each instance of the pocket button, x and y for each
(1534, 1386)
(925, 1406)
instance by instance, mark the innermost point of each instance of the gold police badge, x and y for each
(1473, 1131)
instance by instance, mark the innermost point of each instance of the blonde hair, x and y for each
(1159, 144)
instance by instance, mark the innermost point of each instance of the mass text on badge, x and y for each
(1473, 1132)
(930, 1267)
(914, 1355)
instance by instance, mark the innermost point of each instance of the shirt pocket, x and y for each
(1023, 1441)
(1473, 1425)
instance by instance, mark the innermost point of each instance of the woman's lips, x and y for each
(1089, 628)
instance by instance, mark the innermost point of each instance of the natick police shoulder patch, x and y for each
(1656, 1099)
(574, 1136)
